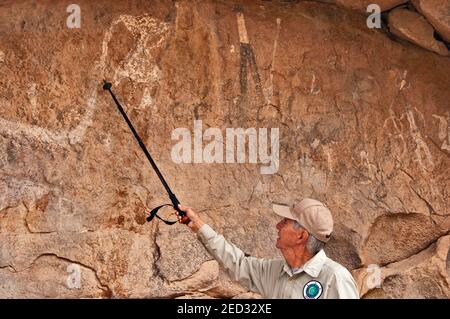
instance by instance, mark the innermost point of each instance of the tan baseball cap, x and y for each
(313, 215)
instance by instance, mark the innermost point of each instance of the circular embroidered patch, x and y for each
(312, 290)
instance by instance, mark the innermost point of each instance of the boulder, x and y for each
(419, 276)
(414, 28)
(437, 13)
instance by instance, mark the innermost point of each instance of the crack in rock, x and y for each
(107, 290)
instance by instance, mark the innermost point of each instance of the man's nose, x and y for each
(279, 225)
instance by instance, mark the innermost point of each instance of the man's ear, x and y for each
(303, 236)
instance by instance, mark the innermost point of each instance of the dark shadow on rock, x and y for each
(343, 252)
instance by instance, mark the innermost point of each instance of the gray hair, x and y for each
(313, 245)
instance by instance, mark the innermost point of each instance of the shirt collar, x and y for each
(312, 267)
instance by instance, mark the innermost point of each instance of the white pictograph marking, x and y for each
(314, 88)
(423, 154)
(401, 82)
(444, 132)
(31, 94)
(310, 175)
(272, 67)
(365, 160)
(243, 38)
(138, 65)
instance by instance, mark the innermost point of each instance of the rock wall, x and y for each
(364, 125)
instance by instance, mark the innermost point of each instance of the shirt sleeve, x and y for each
(250, 272)
(342, 286)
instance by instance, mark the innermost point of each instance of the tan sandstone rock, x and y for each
(361, 5)
(437, 13)
(425, 274)
(411, 26)
(363, 125)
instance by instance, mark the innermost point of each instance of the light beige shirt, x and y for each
(274, 278)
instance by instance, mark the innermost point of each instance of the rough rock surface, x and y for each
(413, 27)
(361, 5)
(437, 13)
(364, 126)
(421, 275)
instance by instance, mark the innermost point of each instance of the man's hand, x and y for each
(196, 222)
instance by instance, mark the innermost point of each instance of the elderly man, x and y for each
(305, 272)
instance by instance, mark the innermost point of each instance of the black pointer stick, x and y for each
(184, 219)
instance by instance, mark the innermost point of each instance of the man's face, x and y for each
(288, 235)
